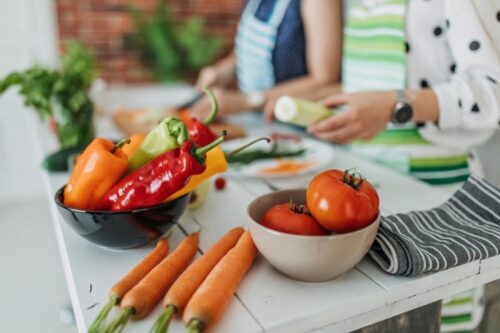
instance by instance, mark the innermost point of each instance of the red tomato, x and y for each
(342, 202)
(292, 219)
(220, 183)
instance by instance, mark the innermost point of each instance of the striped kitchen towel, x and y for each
(463, 229)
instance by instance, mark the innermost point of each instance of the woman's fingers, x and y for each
(269, 111)
(206, 78)
(334, 122)
(335, 100)
(342, 135)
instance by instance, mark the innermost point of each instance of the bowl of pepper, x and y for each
(124, 229)
(119, 201)
(123, 195)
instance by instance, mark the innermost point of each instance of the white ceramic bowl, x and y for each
(307, 258)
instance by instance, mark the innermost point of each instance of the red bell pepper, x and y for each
(199, 132)
(160, 178)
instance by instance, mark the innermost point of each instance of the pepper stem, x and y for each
(237, 150)
(119, 144)
(195, 326)
(215, 107)
(96, 325)
(177, 129)
(162, 323)
(200, 153)
(119, 323)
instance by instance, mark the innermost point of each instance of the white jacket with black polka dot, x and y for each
(453, 46)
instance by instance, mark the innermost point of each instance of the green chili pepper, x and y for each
(170, 133)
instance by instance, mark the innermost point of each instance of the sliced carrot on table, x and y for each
(291, 167)
(144, 296)
(212, 298)
(181, 291)
(133, 277)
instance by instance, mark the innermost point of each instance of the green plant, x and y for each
(171, 49)
(61, 94)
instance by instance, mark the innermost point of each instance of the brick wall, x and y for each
(101, 25)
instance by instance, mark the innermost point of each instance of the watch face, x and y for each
(403, 113)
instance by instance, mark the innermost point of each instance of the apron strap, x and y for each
(279, 12)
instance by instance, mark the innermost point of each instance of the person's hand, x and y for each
(229, 101)
(269, 110)
(366, 115)
(207, 77)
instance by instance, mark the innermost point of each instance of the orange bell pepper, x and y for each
(99, 167)
(215, 163)
(135, 141)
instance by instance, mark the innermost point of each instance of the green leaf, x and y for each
(61, 93)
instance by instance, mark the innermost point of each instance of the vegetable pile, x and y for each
(140, 172)
(336, 201)
(200, 292)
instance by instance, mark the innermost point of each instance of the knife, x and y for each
(190, 102)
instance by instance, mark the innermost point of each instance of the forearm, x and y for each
(226, 68)
(425, 105)
(306, 87)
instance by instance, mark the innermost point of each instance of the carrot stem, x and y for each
(119, 323)
(96, 325)
(161, 325)
(195, 326)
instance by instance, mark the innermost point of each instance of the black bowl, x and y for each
(123, 229)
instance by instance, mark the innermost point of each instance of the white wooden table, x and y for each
(266, 300)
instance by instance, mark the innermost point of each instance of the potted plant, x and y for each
(61, 96)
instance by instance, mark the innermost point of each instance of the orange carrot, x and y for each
(130, 280)
(135, 141)
(143, 297)
(181, 291)
(212, 298)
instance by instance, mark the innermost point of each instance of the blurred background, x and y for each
(135, 42)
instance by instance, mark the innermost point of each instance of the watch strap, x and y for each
(402, 97)
(403, 111)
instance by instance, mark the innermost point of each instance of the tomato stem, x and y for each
(298, 208)
(353, 179)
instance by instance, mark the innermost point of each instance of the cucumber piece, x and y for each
(58, 161)
(300, 112)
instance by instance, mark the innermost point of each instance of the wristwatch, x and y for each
(256, 99)
(403, 111)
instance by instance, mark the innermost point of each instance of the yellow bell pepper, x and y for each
(215, 163)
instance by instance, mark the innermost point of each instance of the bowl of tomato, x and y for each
(287, 233)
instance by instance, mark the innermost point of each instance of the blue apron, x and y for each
(255, 42)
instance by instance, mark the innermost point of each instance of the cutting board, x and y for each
(141, 121)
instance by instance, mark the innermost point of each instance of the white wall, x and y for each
(27, 36)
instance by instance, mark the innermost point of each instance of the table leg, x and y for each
(424, 319)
